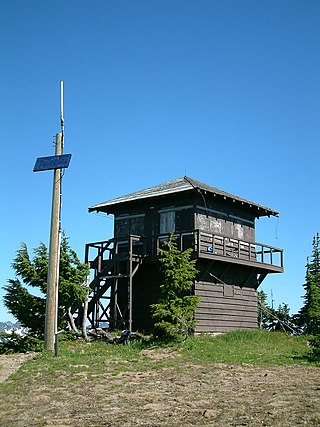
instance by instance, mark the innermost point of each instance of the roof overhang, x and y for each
(179, 186)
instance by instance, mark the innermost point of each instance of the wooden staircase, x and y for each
(113, 267)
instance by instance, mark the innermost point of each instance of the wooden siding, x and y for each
(222, 309)
(125, 225)
(233, 228)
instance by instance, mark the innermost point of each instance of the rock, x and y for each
(209, 413)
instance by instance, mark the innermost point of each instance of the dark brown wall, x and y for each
(129, 224)
(225, 307)
(180, 213)
(146, 291)
(231, 274)
(222, 307)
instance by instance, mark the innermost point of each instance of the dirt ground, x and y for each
(10, 363)
(168, 395)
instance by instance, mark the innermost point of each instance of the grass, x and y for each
(237, 347)
(149, 384)
(257, 347)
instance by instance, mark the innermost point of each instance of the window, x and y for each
(228, 290)
(167, 222)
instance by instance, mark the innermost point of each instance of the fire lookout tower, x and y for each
(219, 226)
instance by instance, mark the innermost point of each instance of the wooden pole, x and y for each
(130, 283)
(52, 278)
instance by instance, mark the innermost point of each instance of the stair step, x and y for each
(112, 276)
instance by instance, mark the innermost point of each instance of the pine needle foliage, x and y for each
(310, 312)
(174, 312)
(15, 343)
(309, 315)
(29, 309)
(272, 319)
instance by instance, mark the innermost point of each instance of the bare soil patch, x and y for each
(172, 394)
(9, 363)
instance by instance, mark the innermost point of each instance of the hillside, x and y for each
(97, 384)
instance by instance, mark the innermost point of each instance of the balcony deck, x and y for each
(206, 245)
(221, 248)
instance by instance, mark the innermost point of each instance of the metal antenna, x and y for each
(61, 111)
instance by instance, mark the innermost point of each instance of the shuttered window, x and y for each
(167, 222)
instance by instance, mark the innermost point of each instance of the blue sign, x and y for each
(52, 162)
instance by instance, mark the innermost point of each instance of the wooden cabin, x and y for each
(220, 227)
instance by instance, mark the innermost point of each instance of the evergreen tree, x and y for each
(282, 321)
(174, 312)
(273, 319)
(265, 315)
(309, 315)
(29, 309)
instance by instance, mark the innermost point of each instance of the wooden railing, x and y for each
(214, 245)
(97, 253)
(205, 245)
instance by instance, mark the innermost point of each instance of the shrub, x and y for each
(174, 312)
(15, 343)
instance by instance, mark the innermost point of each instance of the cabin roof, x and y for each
(179, 185)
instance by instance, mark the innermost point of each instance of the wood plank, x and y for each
(228, 321)
(221, 314)
(221, 304)
(214, 296)
(225, 314)
(245, 292)
(209, 294)
(220, 285)
(230, 324)
(222, 329)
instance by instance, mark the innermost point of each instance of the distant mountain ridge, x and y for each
(9, 326)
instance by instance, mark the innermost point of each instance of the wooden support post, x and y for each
(53, 266)
(115, 308)
(86, 256)
(130, 284)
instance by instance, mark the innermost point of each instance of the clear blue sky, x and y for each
(227, 92)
